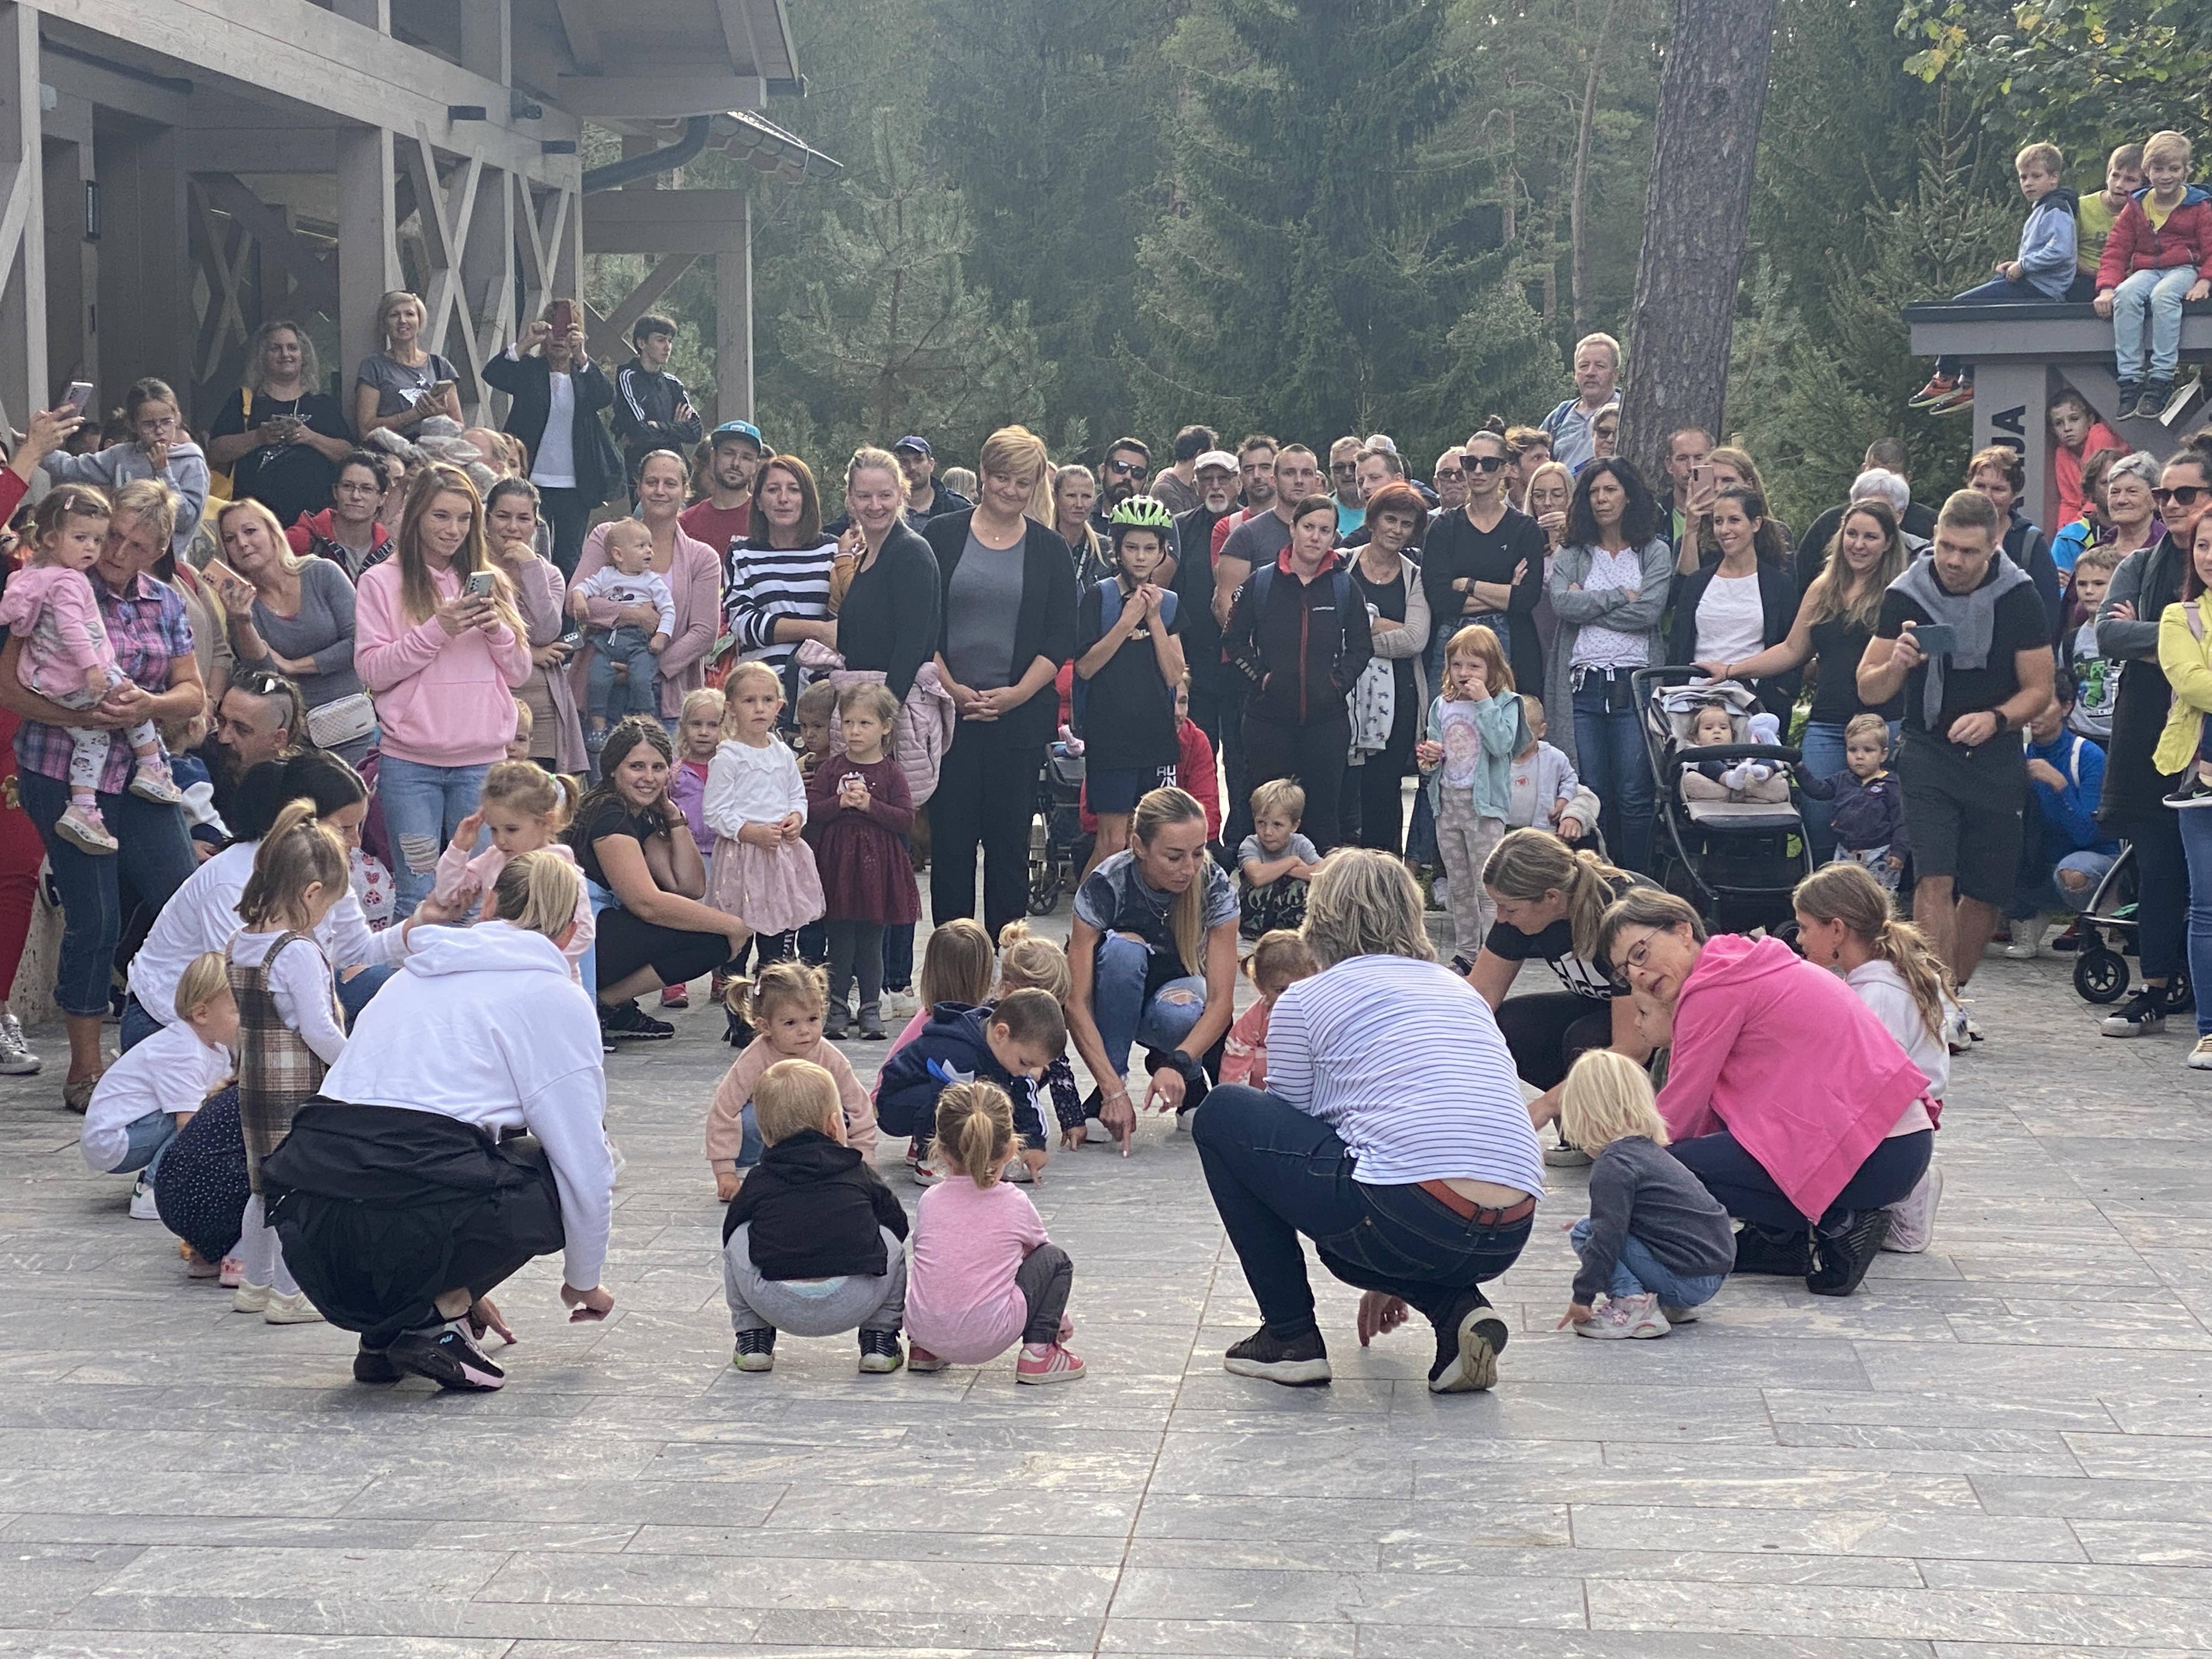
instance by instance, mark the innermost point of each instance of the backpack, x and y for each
(1109, 612)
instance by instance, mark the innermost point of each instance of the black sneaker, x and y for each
(2124, 409)
(1786, 1255)
(2151, 403)
(1300, 1363)
(2143, 1014)
(756, 1350)
(736, 1029)
(880, 1352)
(373, 1366)
(2198, 792)
(1841, 1256)
(632, 1024)
(447, 1358)
(1468, 1342)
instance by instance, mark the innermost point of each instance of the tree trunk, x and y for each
(1579, 200)
(1696, 215)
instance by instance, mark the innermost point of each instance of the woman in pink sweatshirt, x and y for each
(439, 645)
(1784, 1094)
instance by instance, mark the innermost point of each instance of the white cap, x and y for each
(1220, 457)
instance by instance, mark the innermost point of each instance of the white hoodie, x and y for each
(484, 1025)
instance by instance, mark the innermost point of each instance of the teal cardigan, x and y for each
(1505, 733)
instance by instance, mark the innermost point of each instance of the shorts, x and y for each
(1119, 790)
(1963, 812)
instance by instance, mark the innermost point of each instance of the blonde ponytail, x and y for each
(1849, 893)
(976, 1130)
(537, 893)
(1530, 863)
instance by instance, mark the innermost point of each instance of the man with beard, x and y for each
(726, 513)
(1121, 475)
(926, 498)
(1215, 475)
(261, 718)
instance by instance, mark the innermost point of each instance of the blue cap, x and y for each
(739, 430)
(919, 445)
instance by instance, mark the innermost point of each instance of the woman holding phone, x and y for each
(403, 385)
(438, 640)
(281, 436)
(558, 392)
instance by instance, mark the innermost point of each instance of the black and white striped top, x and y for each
(1404, 1062)
(761, 583)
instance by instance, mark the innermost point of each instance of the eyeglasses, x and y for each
(1127, 469)
(1449, 475)
(1635, 955)
(2180, 496)
(1487, 463)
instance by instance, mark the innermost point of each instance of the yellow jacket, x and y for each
(2184, 653)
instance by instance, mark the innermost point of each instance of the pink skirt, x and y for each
(770, 890)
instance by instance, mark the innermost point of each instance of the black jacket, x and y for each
(1194, 581)
(817, 1210)
(645, 401)
(1778, 602)
(1299, 651)
(1448, 553)
(529, 381)
(2148, 579)
(1045, 626)
(2030, 549)
(889, 619)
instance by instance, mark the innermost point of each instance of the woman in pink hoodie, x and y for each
(439, 643)
(1784, 1094)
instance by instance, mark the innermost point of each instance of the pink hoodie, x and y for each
(442, 699)
(1786, 1058)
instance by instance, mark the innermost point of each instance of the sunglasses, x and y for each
(1487, 463)
(2180, 496)
(1449, 475)
(1126, 469)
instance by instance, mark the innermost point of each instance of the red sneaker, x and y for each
(676, 996)
(1047, 1363)
(919, 1359)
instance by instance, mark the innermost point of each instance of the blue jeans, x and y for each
(2003, 291)
(1275, 1173)
(423, 807)
(2159, 294)
(155, 857)
(2035, 899)
(898, 956)
(2196, 844)
(1636, 1271)
(1125, 1015)
(632, 648)
(1609, 753)
(151, 1137)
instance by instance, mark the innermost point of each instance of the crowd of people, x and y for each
(444, 749)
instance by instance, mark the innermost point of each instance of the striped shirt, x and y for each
(762, 584)
(1406, 1063)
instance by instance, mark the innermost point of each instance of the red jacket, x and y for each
(1196, 775)
(2134, 245)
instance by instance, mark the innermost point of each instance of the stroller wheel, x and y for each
(2101, 975)
(1044, 892)
(2180, 994)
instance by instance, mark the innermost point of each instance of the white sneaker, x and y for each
(1958, 1030)
(1912, 1218)
(142, 1202)
(2026, 939)
(17, 1059)
(898, 1005)
(1625, 1316)
(2200, 1057)
(292, 1310)
(923, 1173)
(1441, 888)
(250, 1298)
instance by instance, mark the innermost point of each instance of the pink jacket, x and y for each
(694, 580)
(52, 607)
(442, 699)
(1786, 1058)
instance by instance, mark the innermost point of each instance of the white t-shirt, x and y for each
(1731, 621)
(301, 982)
(556, 467)
(171, 1071)
(1882, 988)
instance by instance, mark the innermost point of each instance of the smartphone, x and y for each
(440, 388)
(562, 316)
(1936, 638)
(221, 573)
(1700, 476)
(80, 394)
(482, 584)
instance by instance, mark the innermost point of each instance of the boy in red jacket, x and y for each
(2157, 245)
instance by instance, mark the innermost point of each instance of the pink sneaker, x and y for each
(152, 782)
(232, 1273)
(81, 826)
(1047, 1363)
(919, 1359)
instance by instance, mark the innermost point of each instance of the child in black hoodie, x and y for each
(814, 1243)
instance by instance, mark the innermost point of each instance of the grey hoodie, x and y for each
(121, 463)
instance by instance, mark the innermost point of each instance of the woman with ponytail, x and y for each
(461, 1135)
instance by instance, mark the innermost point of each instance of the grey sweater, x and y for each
(322, 630)
(1637, 1187)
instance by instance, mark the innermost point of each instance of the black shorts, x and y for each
(1118, 790)
(626, 942)
(1963, 812)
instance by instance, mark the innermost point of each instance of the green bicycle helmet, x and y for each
(1141, 513)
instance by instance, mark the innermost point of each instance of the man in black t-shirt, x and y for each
(1961, 763)
(1210, 694)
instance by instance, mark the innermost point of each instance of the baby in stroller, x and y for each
(1714, 727)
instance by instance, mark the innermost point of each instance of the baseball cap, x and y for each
(919, 445)
(1220, 457)
(739, 430)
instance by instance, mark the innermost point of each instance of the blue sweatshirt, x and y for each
(953, 1047)
(2070, 814)
(2047, 245)
(1868, 814)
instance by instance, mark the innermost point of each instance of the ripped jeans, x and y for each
(423, 807)
(1139, 997)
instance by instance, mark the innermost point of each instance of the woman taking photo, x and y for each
(1007, 601)
(635, 846)
(1733, 610)
(403, 385)
(1391, 1133)
(1485, 563)
(439, 643)
(281, 436)
(1831, 629)
(693, 571)
(556, 732)
(294, 616)
(1296, 632)
(1390, 585)
(461, 1135)
(1609, 586)
(1784, 1094)
(558, 392)
(146, 626)
(1073, 491)
(775, 584)
(1725, 469)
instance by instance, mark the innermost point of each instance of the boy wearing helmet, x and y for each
(1127, 665)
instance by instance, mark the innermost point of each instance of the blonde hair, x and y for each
(876, 698)
(955, 964)
(1543, 470)
(1607, 1096)
(789, 983)
(1033, 1016)
(870, 459)
(1530, 863)
(529, 787)
(1847, 891)
(975, 1131)
(538, 893)
(391, 297)
(1280, 796)
(299, 852)
(705, 697)
(154, 503)
(1187, 916)
(743, 674)
(2102, 555)
(286, 558)
(1013, 450)
(206, 977)
(2045, 158)
(1363, 903)
(792, 1096)
(1280, 958)
(1867, 726)
(1476, 640)
(1028, 962)
(2166, 145)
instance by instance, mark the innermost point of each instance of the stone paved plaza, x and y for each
(1999, 1449)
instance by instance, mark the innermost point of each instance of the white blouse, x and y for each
(745, 785)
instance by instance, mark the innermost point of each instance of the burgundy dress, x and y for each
(866, 875)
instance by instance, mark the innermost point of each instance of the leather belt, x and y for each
(1461, 1205)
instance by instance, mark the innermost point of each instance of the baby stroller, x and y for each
(2108, 938)
(1737, 861)
(1058, 848)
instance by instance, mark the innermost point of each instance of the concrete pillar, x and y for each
(2011, 398)
(22, 221)
(488, 40)
(733, 322)
(72, 262)
(488, 273)
(372, 14)
(368, 251)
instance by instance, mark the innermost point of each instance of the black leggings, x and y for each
(626, 942)
(1044, 1279)
(987, 790)
(1379, 801)
(1314, 754)
(856, 950)
(1549, 1031)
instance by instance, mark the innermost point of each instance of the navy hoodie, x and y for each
(953, 1047)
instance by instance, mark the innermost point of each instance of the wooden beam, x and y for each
(583, 35)
(22, 224)
(261, 149)
(657, 97)
(738, 36)
(612, 337)
(665, 220)
(318, 281)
